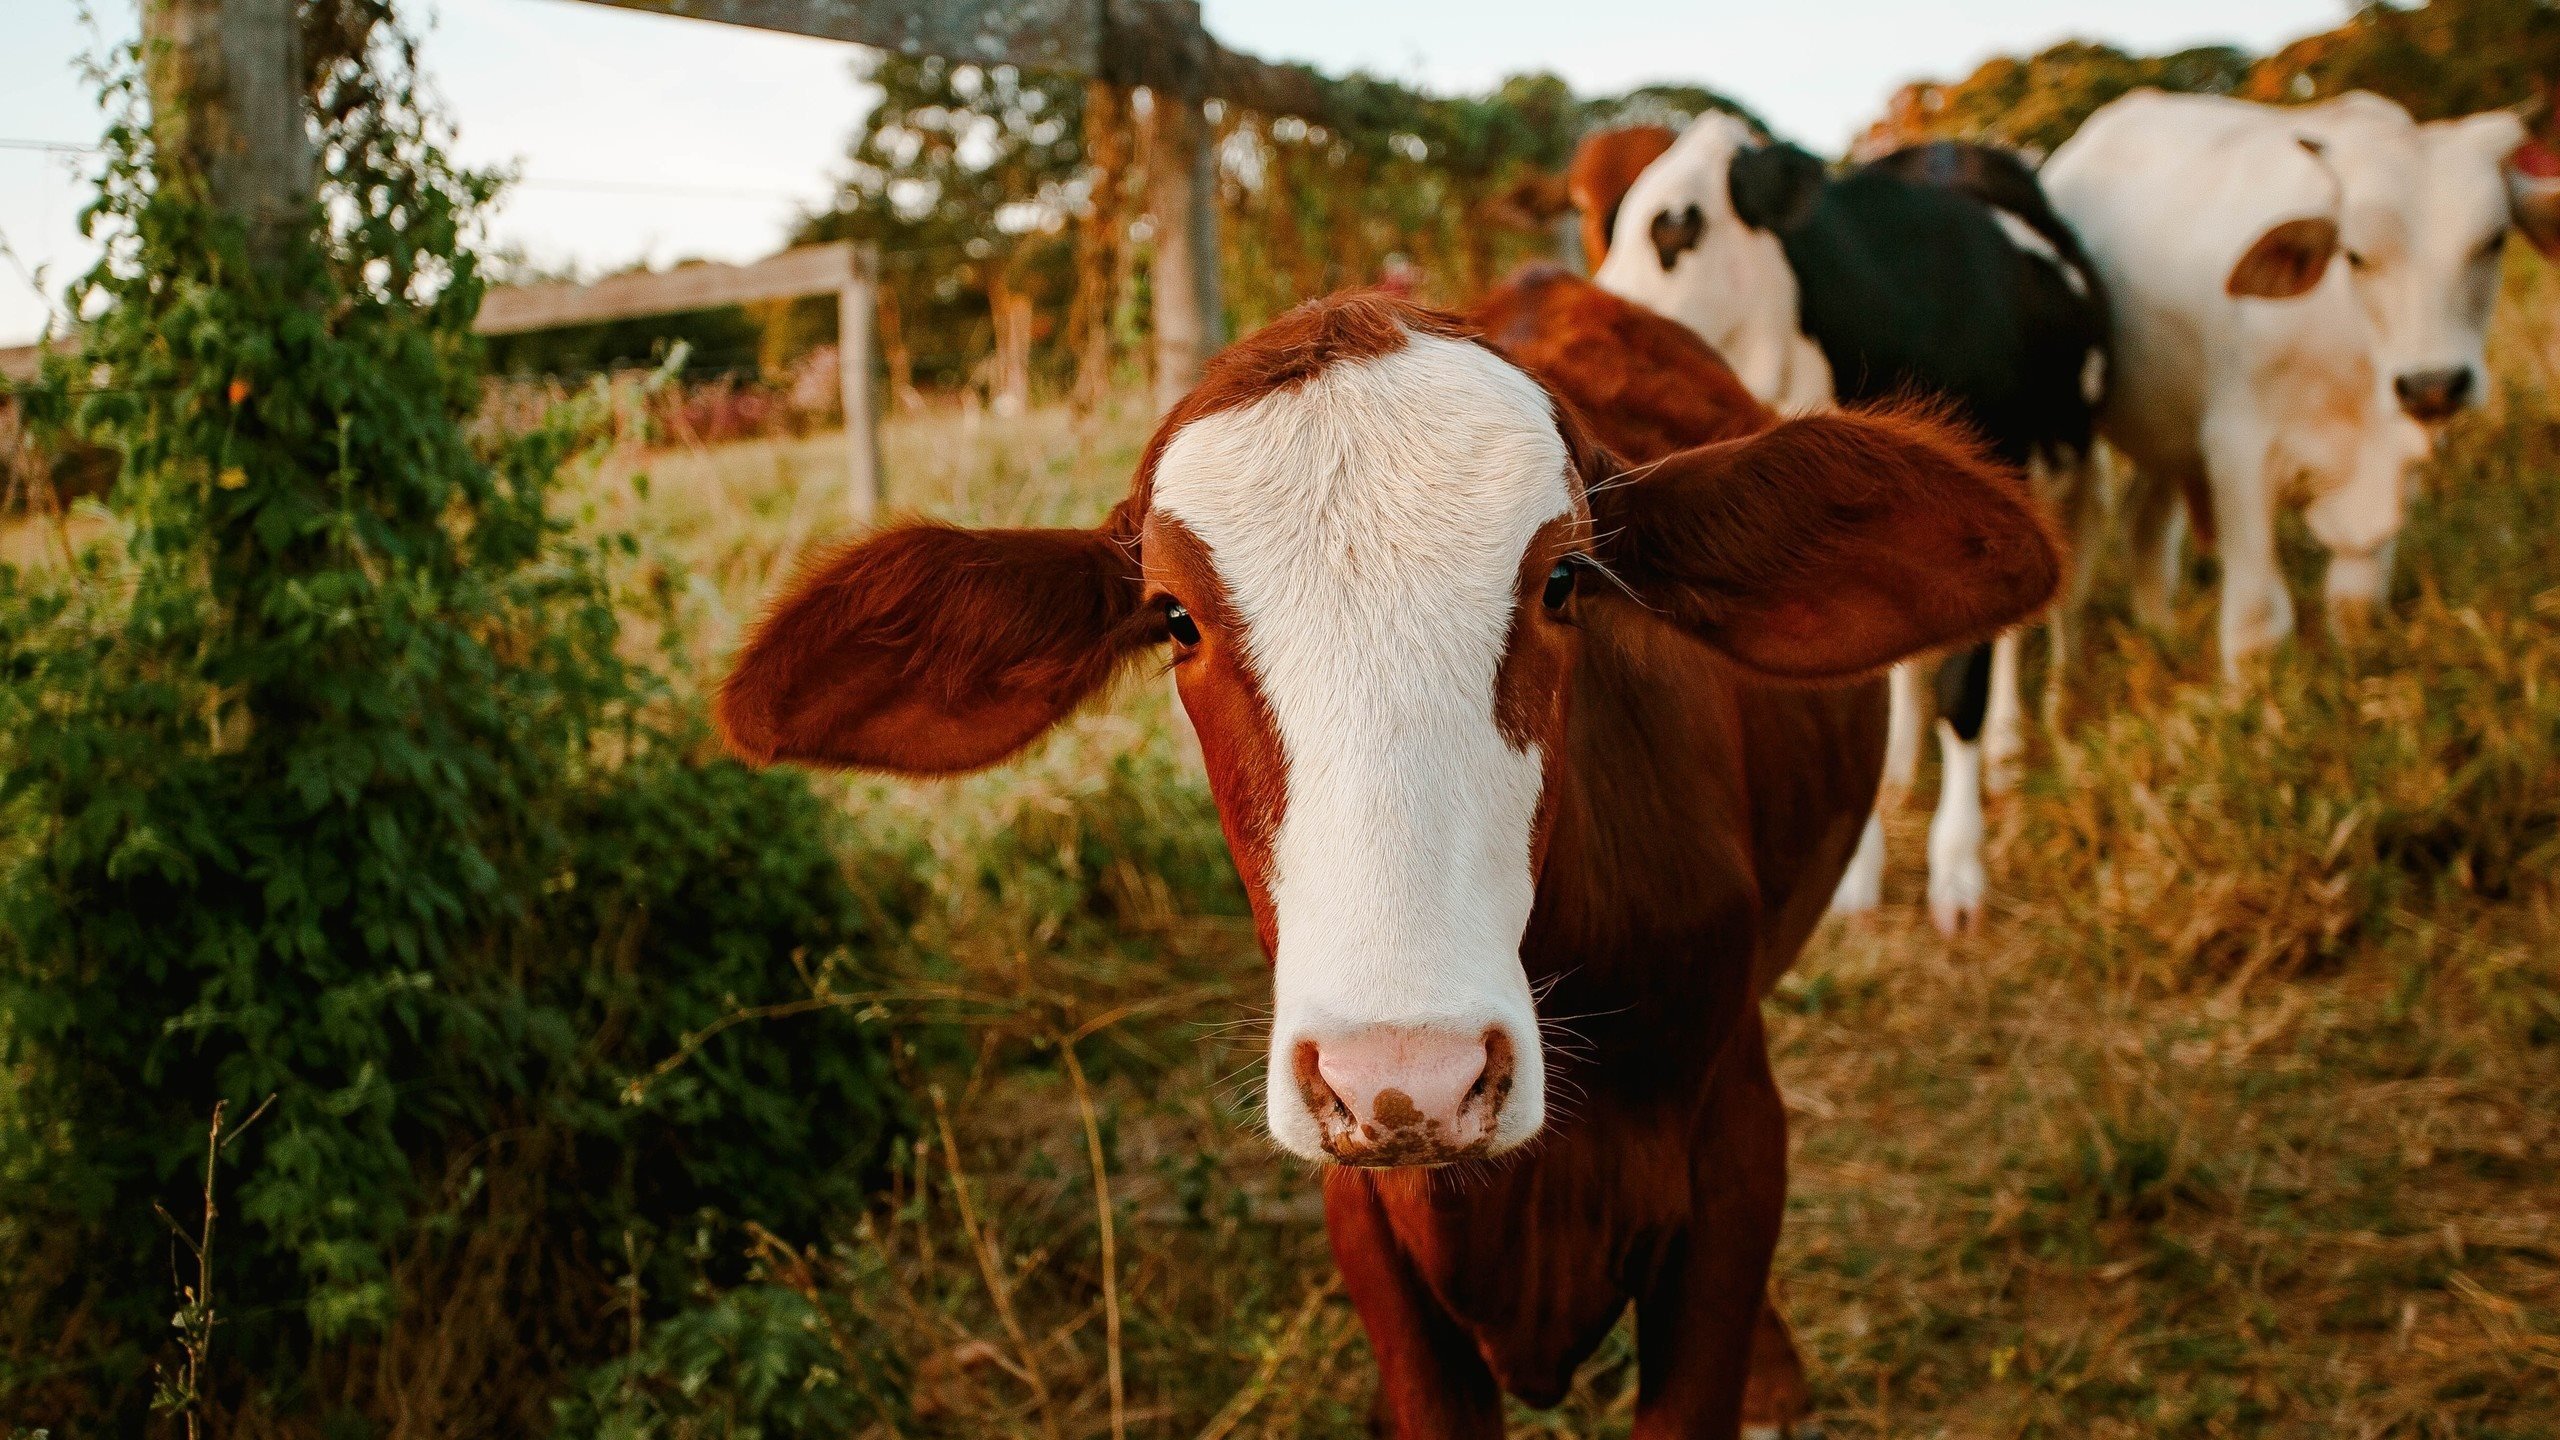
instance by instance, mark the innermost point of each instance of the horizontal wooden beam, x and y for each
(811, 270)
(1042, 34)
(1155, 43)
(514, 309)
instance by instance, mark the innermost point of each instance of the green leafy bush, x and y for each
(335, 786)
(757, 1363)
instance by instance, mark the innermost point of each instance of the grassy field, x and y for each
(2238, 1118)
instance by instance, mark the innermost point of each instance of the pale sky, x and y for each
(649, 138)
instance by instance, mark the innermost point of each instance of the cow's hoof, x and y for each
(1955, 896)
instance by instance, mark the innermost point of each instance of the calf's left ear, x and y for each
(1774, 187)
(1831, 546)
(930, 650)
(2532, 173)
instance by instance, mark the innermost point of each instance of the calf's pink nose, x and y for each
(1405, 1095)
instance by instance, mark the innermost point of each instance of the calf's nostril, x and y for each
(1493, 1086)
(1306, 1063)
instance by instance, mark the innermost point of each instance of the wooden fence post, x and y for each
(227, 104)
(854, 310)
(1100, 242)
(1182, 205)
(1190, 312)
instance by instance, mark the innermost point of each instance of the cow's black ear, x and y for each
(1774, 186)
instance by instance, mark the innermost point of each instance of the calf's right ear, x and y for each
(930, 650)
(1830, 546)
(2286, 261)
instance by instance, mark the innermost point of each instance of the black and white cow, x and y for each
(1938, 271)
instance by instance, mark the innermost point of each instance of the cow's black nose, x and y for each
(2433, 394)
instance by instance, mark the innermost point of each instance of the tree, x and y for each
(2036, 103)
(2439, 60)
(966, 177)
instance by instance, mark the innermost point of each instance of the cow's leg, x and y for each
(2155, 524)
(1905, 719)
(2084, 504)
(1776, 1402)
(1431, 1381)
(2357, 586)
(2004, 724)
(1956, 880)
(2257, 610)
(1694, 1323)
(1862, 884)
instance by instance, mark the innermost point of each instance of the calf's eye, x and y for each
(1184, 629)
(1559, 585)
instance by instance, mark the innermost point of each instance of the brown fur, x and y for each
(1239, 741)
(1696, 817)
(1640, 386)
(915, 650)
(1603, 166)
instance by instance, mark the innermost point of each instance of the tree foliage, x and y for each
(2439, 59)
(966, 177)
(337, 785)
(2037, 102)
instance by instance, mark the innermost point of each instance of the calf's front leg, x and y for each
(1432, 1383)
(1776, 1402)
(1694, 1325)
(2257, 609)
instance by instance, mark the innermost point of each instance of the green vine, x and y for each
(337, 785)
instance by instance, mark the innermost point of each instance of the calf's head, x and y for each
(1367, 545)
(2423, 217)
(1697, 239)
(1604, 164)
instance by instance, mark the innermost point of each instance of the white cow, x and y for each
(2250, 370)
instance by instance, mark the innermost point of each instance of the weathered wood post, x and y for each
(854, 312)
(1182, 206)
(227, 89)
(1162, 44)
(1100, 241)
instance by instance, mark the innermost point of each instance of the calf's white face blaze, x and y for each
(1369, 526)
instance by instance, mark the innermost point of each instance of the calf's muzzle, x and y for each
(2432, 395)
(1387, 1095)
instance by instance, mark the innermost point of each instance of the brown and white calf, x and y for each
(1494, 719)
(1605, 165)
